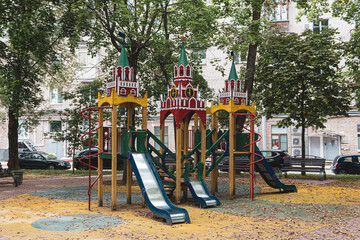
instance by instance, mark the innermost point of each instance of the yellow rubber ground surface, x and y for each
(18, 213)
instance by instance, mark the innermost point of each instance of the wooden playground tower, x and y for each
(123, 91)
(233, 101)
(183, 101)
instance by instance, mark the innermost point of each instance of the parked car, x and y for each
(344, 164)
(94, 160)
(41, 160)
(275, 157)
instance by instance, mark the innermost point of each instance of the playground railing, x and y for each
(162, 145)
(198, 146)
(216, 161)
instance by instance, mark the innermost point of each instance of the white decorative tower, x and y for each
(123, 78)
(233, 89)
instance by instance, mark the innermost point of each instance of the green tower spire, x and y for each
(123, 59)
(183, 59)
(233, 74)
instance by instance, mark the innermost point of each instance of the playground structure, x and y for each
(155, 178)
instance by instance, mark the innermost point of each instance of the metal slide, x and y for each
(198, 189)
(201, 194)
(268, 174)
(153, 189)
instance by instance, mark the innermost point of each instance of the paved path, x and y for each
(40, 184)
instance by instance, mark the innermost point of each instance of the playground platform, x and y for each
(56, 208)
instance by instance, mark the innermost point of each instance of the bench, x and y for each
(7, 174)
(304, 165)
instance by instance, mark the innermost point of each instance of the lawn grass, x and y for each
(76, 173)
(342, 177)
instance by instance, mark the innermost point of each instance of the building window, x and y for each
(200, 55)
(166, 137)
(55, 126)
(84, 58)
(23, 132)
(319, 26)
(55, 96)
(278, 138)
(358, 136)
(130, 4)
(280, 10)
(241, 56)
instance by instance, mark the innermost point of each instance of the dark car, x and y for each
(94, 160)
(41, 160)
(275, 157)
(344, 164)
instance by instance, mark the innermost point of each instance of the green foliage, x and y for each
(30, 31)
(242, 33)
(300, 75)
(313, 10)
(242, 29)
(348, 11)
(151, 26)
(223, 120)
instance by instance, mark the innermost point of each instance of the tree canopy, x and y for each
(30, 31)
(242, 32)
(150, 27)
(300, 75)
(348, 11)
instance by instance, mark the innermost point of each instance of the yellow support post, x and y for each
(185, 127)
(252, 158)
(144, 126)
(196, 127)
(128, 165)
(144, 118)
(203, 146)
(114, 157)
(178, 166)
(231, 156)
(215, 170)
(100, 161)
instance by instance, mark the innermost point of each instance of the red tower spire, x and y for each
(183, 98)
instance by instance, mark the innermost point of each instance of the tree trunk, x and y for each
(251, 59)
(250, 65)
(133, 57)
(250, 70)
(303, 145)
(13, 141)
